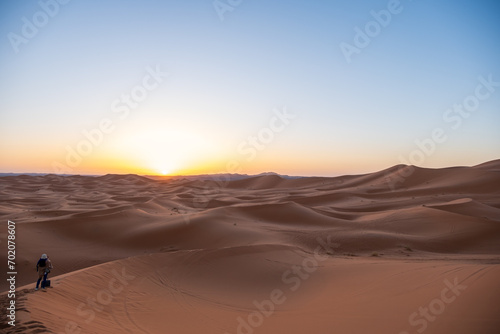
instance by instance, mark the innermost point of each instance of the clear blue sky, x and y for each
(226, 79)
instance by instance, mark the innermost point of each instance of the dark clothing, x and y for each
(43, 267)
(41, 263)
(43, 282)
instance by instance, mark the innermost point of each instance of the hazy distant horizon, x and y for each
(215, 175)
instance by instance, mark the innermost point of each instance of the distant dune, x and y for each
(404, 250)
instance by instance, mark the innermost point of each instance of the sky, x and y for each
(297, 87)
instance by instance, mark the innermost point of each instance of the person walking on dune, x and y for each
(43, 267)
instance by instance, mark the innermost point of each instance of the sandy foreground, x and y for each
(405, 250)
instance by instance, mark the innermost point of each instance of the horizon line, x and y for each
(4, 174)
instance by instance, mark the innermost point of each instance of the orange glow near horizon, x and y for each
(181, 153)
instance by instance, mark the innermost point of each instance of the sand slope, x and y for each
(352, 254)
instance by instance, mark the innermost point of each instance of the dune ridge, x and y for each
(203, 252)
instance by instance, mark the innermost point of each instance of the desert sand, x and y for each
(404, 250)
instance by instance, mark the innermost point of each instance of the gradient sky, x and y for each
(231, 73)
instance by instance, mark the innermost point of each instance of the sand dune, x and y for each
(351, 254)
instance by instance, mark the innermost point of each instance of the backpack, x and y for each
(42, 262)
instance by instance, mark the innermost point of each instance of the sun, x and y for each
(163, 169)
(166, 151)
